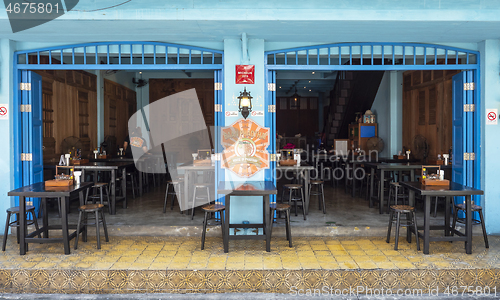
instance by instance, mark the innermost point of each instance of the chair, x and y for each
(100, 186)
(208, 209)
(173, 184)
(318, 191)
(475, 208)
(410, 220)
(198, 186)
(96, 209)
(294, 196)
(286, 208)
(15, 211)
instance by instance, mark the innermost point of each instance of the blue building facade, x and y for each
(274, 36)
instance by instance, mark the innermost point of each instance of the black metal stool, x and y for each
(174, 184)
(410, 220)
(286, 208)
(318, 184)
(293, 189)
(475, 208)
(208, 209)
(100, 186)
(394, 188)
(207, 198)
(97, 210)
(15, 211)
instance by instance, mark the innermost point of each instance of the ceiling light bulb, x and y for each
(309, 81)
(313, 73)
(309, 90)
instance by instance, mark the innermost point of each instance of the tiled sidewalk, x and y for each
(173, 264)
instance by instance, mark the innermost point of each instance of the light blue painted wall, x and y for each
(244, 208)
(6, 128)
(490, 98)
(388, 107)
(381, 107)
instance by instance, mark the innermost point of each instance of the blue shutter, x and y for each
(459, 172)
(32, 126)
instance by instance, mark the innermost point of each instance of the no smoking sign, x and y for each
(4, 111)
(491, 116)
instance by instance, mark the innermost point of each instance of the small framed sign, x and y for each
(245, 74)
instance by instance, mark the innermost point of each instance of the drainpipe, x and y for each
(244, 47)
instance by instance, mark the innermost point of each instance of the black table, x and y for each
(250, 188)
(38, 190)
(302, 172)
(454, 190)
(113, 168)
(387, 167)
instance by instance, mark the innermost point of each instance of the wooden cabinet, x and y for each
(359, 133)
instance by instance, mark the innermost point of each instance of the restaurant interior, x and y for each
(314, 111)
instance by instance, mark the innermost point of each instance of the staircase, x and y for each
(354, 91)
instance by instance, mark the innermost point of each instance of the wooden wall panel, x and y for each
(117, 102)
(303, 119)
(427, 109)
(63, 88)
(160, 88)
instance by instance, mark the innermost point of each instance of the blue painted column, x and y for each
(7, 48)
(244, 208)
(490, 98)
(396, 112)
(100, 107)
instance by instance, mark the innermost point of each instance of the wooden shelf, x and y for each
(359, 133)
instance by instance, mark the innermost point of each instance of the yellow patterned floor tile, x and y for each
(356, 252)
(405, 265)
(121, 265)
(329, 266)
(386, 265)
(343, 258)
(127, 259)
(335, 247)
(367, 265)
(235, 266)
(272, 266)
(177, 266)
(348, 265)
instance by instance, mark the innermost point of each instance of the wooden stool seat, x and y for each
(100, 184)
(91, 207)
(293, 186)
(474, 207)
(213, 207)
(316, 181)
(280, 206)
(403, 208)
(15, 209)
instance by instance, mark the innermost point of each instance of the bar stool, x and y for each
(100, 186)
(286, 208)
(96, 209)
(410, 220)
(208, 209)
(15, 211)
(293, 190)
(201, 186)
(318, 184)
(475, 208)
(394, 188)
(173, 184)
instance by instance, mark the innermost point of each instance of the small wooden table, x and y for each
(249, 188)
(454, 190)
(38, 190)
(113, 168)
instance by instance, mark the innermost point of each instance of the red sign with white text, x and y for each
(245, 74)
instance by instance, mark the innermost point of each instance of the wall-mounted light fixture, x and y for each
(245, 103)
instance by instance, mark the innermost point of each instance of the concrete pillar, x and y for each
(490, 98)
(7, 48)
(244, 208)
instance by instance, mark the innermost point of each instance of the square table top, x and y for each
(454, 189)
(303, 166)
(110, 165)
(394, 166)
(39, 190)
(248, 188)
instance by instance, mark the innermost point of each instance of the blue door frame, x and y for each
(387, 57)
(127, 56)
